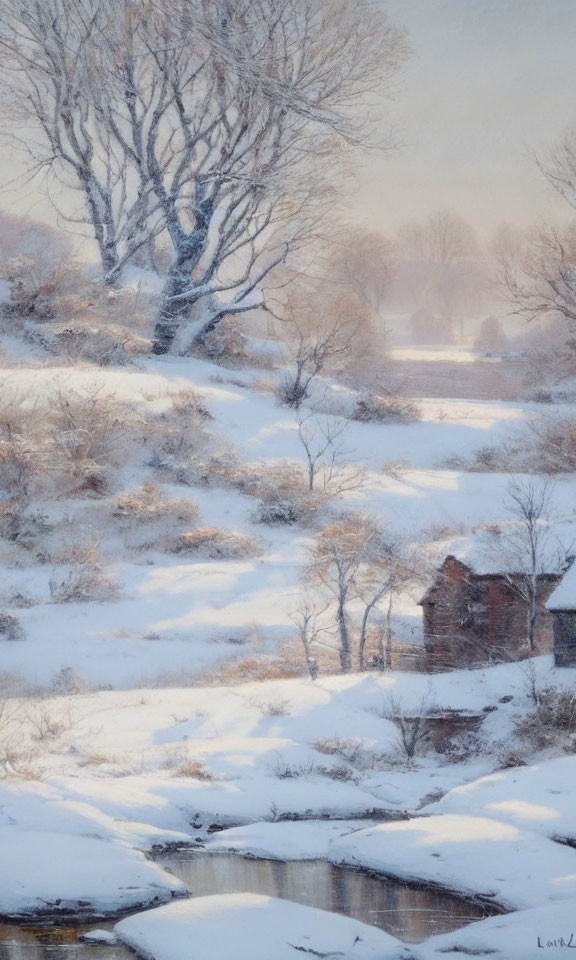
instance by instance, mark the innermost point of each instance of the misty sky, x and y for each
(487, 80)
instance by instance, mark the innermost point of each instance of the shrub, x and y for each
(16, 598)
(66, 681)
(552, 445)
(216, 468)
(557, 708)
(82, 584)
(413, 727)
(91, 433)
(176, 760)
(226, 344)
(194, 769)
(272, 708)
(46, 723)
(69, 314)
(102, 345)
(280, 512)
(17, 466)
(443, 531)
(339, 772)
(460, 747)
(488, 459)
(507, 758)
(10, 627)
(372, 408)
(346, 747)
(552, 721)
(86, 580)
(547, 445)
(291, 391)
(150, 522)
(188, 403)
(90, 425)
(286, 771)
(281, 486)
(25, 445)
(216, 544)
(350, 750)
(38, 278)
(19, 524)
(254, 668)
(177, 434)
(395, 469)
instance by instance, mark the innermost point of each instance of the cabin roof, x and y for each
(489, 554)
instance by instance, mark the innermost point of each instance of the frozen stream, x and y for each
(410, 913)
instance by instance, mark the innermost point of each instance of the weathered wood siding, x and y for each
(565, 638)
(471, 618)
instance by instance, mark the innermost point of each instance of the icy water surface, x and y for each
(410, 913)
(56, 943)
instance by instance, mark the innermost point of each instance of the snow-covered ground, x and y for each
(132, 770)
(290, 769)
(175, 615)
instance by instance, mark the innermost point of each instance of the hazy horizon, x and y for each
(487, 80)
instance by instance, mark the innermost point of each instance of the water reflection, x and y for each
(56, 943)
(409, 913)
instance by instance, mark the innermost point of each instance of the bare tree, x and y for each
(559, 166)
(491, 336)
(537, 274)
(538, 271)
(388, 567)
(442, 263)
(321, 439)
(413, 727)
(363, 262)
(218, 125)
(317, 324)
(307, 620)
(527, 548)
(55, 81)
(340, 558)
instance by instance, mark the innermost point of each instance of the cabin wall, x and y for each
(565, 638)
(471, 619)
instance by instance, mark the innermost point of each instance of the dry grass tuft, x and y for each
(217, 544)
(149, 521)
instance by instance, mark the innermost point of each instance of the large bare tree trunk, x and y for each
(389, 634)
(363, 632)
(344, 634)
(175, 306)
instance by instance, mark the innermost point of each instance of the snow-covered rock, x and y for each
(99, 936)
(475, 856)
(284, 841)
(44, 874)
(547, 931)
(252, 927)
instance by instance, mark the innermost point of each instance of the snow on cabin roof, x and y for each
(488, 552)
(564, 596)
